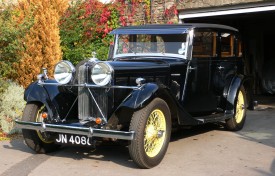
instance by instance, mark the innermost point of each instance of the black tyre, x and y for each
(152, 126)
(36, 140)
(237, 122)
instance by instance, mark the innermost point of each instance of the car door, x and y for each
(224, 67)
(199, 96)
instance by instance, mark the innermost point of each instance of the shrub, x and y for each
(42, 43)
(85, 26)
(3, 86)
(11, 106)
(78, 30)
(13, 28)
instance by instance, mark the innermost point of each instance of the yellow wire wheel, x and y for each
(41, 136)
(237, 122)
(36, 140)
(154, 134)
(152, 127)
(240, 108)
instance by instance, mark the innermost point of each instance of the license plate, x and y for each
(70, 139)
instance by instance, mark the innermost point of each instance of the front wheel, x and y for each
(152, 126)
(36, 140)
(237, 122)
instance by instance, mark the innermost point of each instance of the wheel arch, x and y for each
(234, 87)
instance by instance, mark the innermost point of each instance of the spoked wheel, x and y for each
(36, 140)
(237, 122)
(152, 126)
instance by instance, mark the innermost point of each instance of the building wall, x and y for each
(193, 4)
(154, 13)
(158, 8)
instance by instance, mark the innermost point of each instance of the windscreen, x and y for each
(152, 45)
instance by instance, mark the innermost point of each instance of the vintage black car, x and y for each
(157, 78)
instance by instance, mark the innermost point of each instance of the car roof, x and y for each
(168, 28)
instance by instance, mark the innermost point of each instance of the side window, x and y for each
(227, 45)
(204, 44)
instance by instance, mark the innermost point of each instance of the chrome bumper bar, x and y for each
(86, 131)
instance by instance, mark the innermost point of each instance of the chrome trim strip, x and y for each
(86, 131)
(189, 40)
(175, 74)
(89, 85)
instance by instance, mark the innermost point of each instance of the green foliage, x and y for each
(12, 31)
(84, 28)
(11, 106)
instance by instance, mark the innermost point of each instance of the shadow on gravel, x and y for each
(264, 173)
(109, 151)
(259, 125)
(18, 144)
(26, 166)
(116, 153)
(193, 131)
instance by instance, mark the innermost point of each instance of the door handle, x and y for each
(220, 68)
(190, 68)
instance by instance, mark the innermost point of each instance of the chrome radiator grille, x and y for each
(88, 97)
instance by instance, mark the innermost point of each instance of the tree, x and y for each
(13, 29)
(42, 43)
(81, 31)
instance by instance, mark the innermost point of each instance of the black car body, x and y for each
(158, 77)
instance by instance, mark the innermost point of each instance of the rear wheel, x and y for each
(237, 122)
(152, 126)
(36, 140)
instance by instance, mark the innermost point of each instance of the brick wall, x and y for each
(192, 4)
(158, 8)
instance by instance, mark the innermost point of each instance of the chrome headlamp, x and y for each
(63, 72)
(102, 73)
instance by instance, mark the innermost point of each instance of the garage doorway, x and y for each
(258, 35)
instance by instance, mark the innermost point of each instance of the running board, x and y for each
(214, 118)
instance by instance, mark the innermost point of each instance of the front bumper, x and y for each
(86, 131)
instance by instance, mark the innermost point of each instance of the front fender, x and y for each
(137, 99)
(37, 93)
(140, 97)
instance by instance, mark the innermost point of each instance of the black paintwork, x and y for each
(192, 95)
